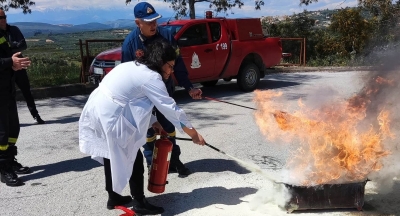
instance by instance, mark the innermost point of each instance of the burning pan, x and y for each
(327, 196)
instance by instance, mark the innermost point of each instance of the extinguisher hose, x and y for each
(215, 148)
(247, 165)
(214, 99)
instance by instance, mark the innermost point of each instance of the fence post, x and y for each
(304, 56)
(82, 75)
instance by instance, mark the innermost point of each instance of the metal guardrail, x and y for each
(302, 54)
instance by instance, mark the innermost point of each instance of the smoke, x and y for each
(272, 192)
(387, 98)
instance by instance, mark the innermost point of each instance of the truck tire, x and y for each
(209, 83)
(249, 77)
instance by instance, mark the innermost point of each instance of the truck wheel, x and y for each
(209, 83)
(249, 77)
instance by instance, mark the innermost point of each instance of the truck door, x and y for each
(197, 51)
(220, 41)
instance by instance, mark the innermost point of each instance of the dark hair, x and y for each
(157, 53)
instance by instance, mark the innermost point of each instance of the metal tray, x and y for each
(327, 196)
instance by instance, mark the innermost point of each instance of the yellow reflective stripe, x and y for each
(3, 147)
(151, 139)
(12, 140)
(172, 134)
(2, 40)
(178, 52)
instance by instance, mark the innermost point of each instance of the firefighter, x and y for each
(115, 119)
(18, 44)
(146, 33)
(9, 123)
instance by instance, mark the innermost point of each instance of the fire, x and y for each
(337, 142)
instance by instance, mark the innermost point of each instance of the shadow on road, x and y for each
(229, 89)
(216, 165)
(200, 198)
(63, 120)
(47, 170)
(226, 89)
(383, 204)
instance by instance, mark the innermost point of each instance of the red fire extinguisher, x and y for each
(160, 164)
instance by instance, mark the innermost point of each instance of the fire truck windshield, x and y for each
(173, 28)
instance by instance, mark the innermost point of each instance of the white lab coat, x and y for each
(117, 115)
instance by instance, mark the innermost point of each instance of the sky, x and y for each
(81, 12)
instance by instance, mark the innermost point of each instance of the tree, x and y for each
(352, 29)
(17, 4)
(183, 7)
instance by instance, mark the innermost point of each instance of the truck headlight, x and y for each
(97, 70)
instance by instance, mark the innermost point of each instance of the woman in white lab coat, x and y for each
(117, 115)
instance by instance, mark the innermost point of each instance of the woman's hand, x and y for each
(157, 127)
(198, 139)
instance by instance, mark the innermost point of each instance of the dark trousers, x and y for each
(149, 146)
(9, 130)
(9, 121)
(136, 182)
(22, 81)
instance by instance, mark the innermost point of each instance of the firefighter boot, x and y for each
(142, 207)
(7, 175)
(38, 119)
(178, 167)
(182, 170)
(17, 167)
(115, 199)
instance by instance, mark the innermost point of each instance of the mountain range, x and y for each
(30, 29)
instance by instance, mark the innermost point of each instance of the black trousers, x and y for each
(9, 121)
(22, 81)
(136, 182)
(9, 129)
(149, 146)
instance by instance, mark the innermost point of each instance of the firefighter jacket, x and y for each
(136, 41)
(6, 64)
(16, 39)
(117, 115)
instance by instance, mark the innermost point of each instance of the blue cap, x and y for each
(146, 12)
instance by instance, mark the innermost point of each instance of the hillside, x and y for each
(30, 29)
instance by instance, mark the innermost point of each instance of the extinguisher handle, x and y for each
(163, 134)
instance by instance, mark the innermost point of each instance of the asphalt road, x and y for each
(67, 182)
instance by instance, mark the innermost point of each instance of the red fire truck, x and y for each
(213, 48)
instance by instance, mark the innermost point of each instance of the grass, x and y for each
(41, 75)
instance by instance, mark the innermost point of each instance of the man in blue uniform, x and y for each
(136, 42)
(148, 31)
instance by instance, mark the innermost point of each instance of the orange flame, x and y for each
(335, 144)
